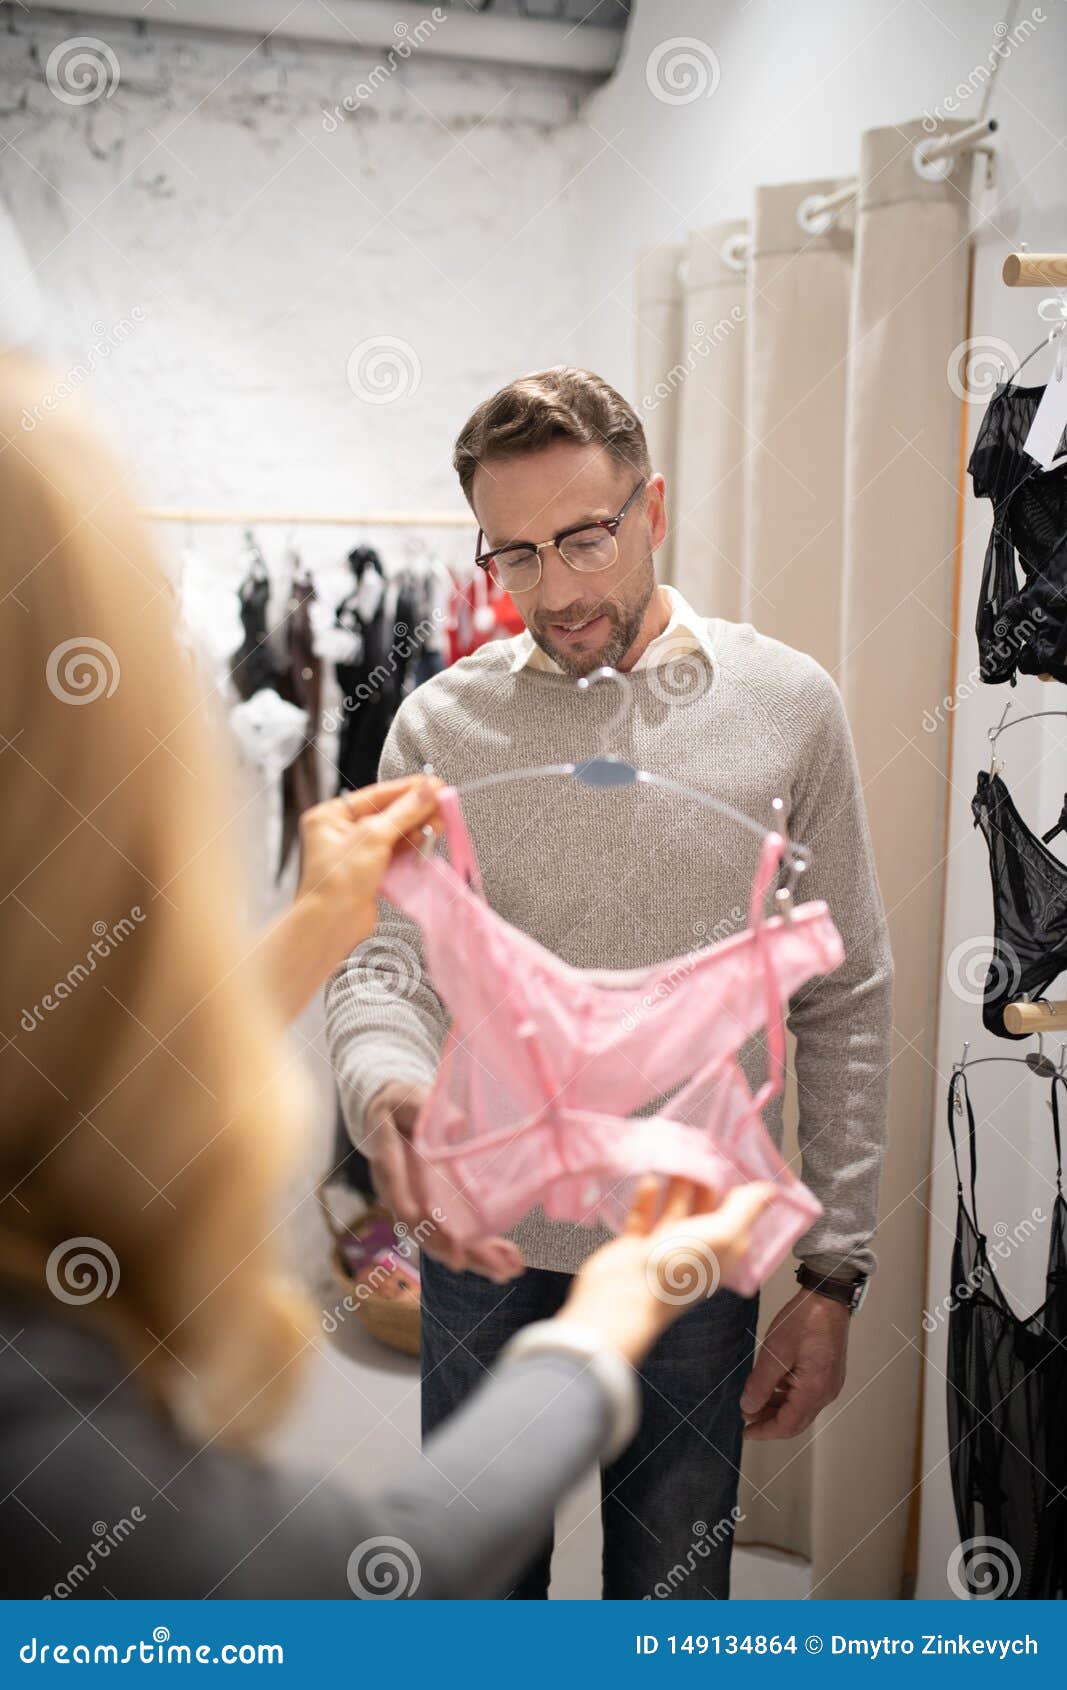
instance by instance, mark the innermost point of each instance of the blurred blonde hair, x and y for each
(145, 1097)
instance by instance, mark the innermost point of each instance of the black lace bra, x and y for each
(1020, 627)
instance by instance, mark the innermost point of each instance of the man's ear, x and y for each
(656, 508)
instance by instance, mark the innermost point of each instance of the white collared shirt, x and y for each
(685, 631)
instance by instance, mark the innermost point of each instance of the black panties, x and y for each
(1029, 906)
(1007, 1398)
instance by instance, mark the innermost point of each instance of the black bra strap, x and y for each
(957, 1087)
(1058, 1080)
(1060, 827)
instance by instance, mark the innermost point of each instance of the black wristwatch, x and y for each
(851, 1292)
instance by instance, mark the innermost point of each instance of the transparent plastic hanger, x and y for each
(1053, 338)
(1051, 310)
(606, 769)
(253, 559)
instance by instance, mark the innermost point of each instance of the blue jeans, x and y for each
(668, 1503)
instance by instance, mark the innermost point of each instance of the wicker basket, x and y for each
(386, 1288)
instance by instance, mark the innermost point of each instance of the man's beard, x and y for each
(625, 626)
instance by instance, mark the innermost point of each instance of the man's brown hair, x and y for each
(561, 403)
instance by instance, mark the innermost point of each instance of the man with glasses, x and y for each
(556, 469)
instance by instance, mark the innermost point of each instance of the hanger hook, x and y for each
(1038, 1062)
(622, 685)
(795, 858)
(994, 735)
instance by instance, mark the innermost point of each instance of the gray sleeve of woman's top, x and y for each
(477, 1506)
(462, 1522)
(466, 1517)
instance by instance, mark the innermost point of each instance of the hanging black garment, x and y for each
(1007, 1396)
(253, 665)
(300, 683)
(1029, 906)
(407, 641)
(368, 680)
(1023, 627)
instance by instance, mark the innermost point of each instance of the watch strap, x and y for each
(850, 1292)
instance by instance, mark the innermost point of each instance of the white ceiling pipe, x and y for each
(371, 26)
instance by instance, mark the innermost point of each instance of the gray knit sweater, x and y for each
(632, 876)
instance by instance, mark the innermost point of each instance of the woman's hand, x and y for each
(346, 846)
(666, 1259)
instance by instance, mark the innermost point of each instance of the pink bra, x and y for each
(545, 1063)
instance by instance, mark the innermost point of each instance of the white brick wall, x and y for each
(263, 243)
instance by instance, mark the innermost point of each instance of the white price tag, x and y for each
(1050, 420)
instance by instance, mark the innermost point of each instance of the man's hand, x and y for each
(396, 1172)
(800, 1367)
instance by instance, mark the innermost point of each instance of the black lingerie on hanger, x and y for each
(1029, 906)
(1023, 627)
(253, 665)
(1007, 1397)
(300, 683)
(368, 683)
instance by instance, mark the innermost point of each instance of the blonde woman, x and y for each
(150, 1107)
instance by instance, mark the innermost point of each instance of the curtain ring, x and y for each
(812, 219)
(735, 250)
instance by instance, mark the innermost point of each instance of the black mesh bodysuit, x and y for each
(1007, 1397)
(1029, 906)
(1020, 628)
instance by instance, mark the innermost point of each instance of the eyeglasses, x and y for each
(589, 547)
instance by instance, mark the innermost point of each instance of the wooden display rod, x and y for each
(304, 519)
(1042, 1017)
(1035, 269)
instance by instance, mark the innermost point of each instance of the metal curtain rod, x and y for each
(931, 159)
(303, 519)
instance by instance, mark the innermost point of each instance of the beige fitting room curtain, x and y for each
(812, 489)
